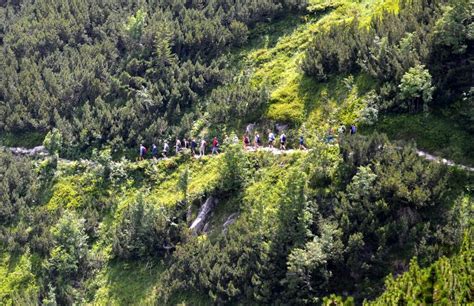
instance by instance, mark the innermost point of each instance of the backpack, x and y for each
(257, 138)
(283, 138)
(353, 129)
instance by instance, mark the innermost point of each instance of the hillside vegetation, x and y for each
(357, 219)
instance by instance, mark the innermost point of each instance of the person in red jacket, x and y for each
(246, 141)
(215, 146)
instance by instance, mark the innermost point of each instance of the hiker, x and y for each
(154, 151)
(185, 143)
(215, 146)
(235, 139)
(341, 130)
(353, 129)
(202, 148)
(226, 140)
(166, 148)
(283, 141)
(257, 141)
(302, 146)
(246, 141)
(193, 146)
(330, 136)
(271, 139)
(142, 151)
(178, 145)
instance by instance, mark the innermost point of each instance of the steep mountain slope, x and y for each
(320, 226)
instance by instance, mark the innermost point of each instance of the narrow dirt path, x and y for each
(41, 151)
(441, 160)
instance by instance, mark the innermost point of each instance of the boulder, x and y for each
(36, 151)
(281, 127)
(198, 225)
(230, 220)
(250, 127)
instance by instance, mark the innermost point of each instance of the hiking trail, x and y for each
(41, 151)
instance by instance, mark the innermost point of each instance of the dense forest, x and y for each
(356, 216)
(79, 67)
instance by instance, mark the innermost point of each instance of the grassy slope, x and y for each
(314, 107)
(128, 283)
(272, 59)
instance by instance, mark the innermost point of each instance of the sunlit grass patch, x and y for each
(128, 283)
(295, 97)
(67, 193)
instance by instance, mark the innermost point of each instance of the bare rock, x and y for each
(230, 220)
(249, 129)
(281, 127)
(199, 223)
(36, 151)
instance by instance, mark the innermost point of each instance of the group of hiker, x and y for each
(199, 147)
(181, 145)
(257, 141)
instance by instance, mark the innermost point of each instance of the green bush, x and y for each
(239, 102)
(143, 230)
(448, 281)
(416, 88)
(68, 259)
(53, 141)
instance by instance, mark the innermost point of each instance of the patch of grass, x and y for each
(65, 194)
(336, 102)
(128, 283)
(294, 97)
(204, 176)
(435, 133)
(76, 191)
(267, 187)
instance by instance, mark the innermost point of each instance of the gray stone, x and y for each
(198, 225)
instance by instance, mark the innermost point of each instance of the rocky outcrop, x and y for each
(36, 151)
(250, 127)
(281, 127)
(199, 224)
(230, 220)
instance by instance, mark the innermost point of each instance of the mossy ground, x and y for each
(128, 283)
